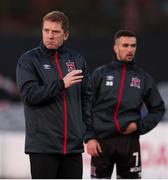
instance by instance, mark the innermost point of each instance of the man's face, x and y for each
(125, 48)
(53, 34)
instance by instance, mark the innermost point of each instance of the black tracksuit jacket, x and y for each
(57, 119)
(119, 91)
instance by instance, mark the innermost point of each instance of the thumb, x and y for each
(99, 148)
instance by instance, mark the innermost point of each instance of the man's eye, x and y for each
(125, 45)
(55, 32)
(46, 30)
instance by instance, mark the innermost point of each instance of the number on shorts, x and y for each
(136, 154)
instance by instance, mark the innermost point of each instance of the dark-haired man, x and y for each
(119, 91)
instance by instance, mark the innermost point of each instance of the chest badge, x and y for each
(70, 66)
(135, 82)
(109, 80)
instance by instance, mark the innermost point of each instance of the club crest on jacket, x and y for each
(135, 82)
(70, 66)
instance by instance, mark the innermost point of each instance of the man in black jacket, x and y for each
(53, 82)
(119, 91)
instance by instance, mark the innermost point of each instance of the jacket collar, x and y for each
(60, 50)
(119, 63)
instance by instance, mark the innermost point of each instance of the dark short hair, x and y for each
(58, 16)
(124, 33)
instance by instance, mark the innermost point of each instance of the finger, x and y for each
(94, 153)
(75, 72)
(77, 77)
(91, 152)
(88, 151)
(76, 81)
(99, 148)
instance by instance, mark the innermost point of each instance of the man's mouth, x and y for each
(50, 43)
(129, 55)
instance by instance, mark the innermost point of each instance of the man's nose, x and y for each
(130, 49)
(50, 35)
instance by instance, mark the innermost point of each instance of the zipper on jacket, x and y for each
(65, 105)
(120, 98)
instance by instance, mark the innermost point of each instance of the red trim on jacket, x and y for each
(119, 98)
(65, 105)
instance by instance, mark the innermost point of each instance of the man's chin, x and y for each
(129, 59)
(51, 47)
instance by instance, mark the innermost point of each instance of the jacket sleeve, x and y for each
(86, 104)
(33, 92)
(155, 107)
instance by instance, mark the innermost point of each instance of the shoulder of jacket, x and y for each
(75, 56)
(146, 76)
(28, 56)
(102, 68)
(144, 73)
(33, 51)
(30, 53)
(73, 53)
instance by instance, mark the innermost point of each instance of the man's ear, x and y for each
(115, 48)
(66, 35)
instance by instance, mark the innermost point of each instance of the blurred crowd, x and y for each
(139, 15)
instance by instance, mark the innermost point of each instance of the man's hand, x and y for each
(72, 77)
(130, 128)
(93, 147)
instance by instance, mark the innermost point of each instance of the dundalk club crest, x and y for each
(135, 82)
(70, 66)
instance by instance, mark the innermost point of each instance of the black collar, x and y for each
(117, 63)
(60, 50)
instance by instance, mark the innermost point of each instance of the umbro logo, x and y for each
(46, 66)
(109, 80)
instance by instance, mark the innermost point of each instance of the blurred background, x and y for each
(93, 24)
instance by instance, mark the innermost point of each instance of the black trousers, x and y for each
(124, 151)
(56, 166)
